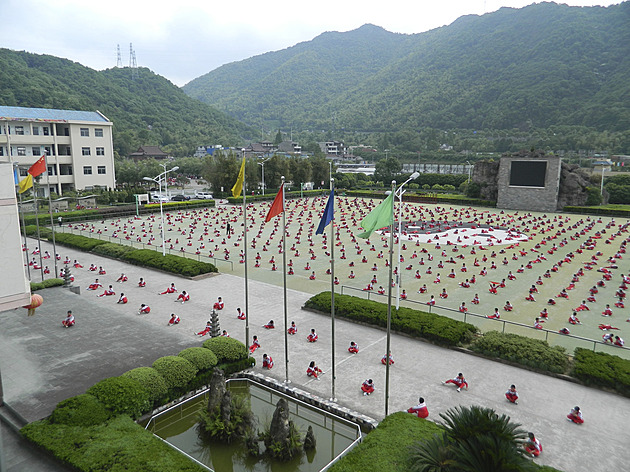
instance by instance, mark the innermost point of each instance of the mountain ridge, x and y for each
(544, 64)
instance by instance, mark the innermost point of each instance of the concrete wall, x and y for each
(529, 198)
(15, 290)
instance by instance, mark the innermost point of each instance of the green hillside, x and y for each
(540, 66)
(147, 110)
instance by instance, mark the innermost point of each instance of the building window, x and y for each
(21, 151)
(100, 151)
(98, 132)
(36, 151)
(85, 151)
(85, 132)
(35, 130)
(87, 170)
(46, 130)
(65, 151)
(23, 171)
(101, 170)
(51, 170)
(19, 130)
(1, 151)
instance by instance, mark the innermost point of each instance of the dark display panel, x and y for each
(528, 173)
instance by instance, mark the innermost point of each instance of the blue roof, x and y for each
(48, 114)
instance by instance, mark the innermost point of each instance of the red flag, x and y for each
(277, 206)
(39, 167)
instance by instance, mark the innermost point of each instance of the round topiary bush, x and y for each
(226, 349)
(177, 371)
(151, 380)
(202, 359)
(82, 410)
(122, 395)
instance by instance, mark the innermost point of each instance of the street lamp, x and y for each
(399, 193)
(262, 164)
(158, 180)
(469, 169)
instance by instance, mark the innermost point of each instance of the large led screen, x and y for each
(528, 173)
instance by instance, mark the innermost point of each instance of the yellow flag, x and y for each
(238, 186)
(26, 183)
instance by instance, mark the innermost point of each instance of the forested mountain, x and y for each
(540, 66)
(146, 110)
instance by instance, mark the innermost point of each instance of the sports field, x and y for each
(442, 247)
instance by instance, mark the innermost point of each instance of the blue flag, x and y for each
(329, 213)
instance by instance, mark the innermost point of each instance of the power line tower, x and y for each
(118, 57)
(133, 65)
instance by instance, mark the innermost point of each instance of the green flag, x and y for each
(382, 215)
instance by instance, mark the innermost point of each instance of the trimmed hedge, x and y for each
(226, 349)
(176, 371)
(272, 194)
(151, 380)
(169, 263)
(602, 370)
(44, 233)
(121, 395)
(386, 448)
(113, 250)
(141, 257)
(436, 328)
(602, 210)
(522, 350)
(77, 241)
(202, 359)
(232, 367)
(82, 410)
(35, 286)
(115, 446)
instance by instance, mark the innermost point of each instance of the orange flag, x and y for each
(39, 167)
(277, 206)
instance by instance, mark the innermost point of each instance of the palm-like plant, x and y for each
(476, 439)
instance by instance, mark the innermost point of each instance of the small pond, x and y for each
(178, 427)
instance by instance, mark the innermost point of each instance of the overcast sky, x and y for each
(182, 40)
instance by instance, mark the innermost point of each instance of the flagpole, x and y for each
(389, 301)
(332, 288)
(52, 224)
(245, 251)
(28, 267)
(39, 240)
(284, 280)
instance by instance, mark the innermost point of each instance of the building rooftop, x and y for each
(49, 114)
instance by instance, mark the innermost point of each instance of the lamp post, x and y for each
(158, 180)
(469, 169)
(262, 164)
(399, 193)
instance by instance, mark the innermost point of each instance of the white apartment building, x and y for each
(78, 146)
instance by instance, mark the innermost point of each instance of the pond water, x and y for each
(178, 426)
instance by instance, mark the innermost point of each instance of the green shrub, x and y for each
(77, 241)
(52, 283)
(387, 447)
(226, 349)
(151, 380)
(202, 359)
(116, 251)
(115, 446)
(415, 323)
(603, 370)
(82, 410)
(237, 366)
(121, 395)
(522, 350)
(176, 371)
(170, 263)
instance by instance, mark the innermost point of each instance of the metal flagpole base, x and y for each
(287, 381)
(334, 400)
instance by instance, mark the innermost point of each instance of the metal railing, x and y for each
(456, 314)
